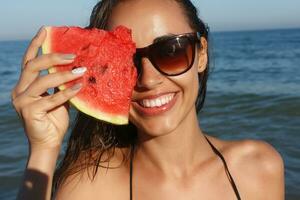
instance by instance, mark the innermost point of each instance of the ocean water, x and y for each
(253, 92)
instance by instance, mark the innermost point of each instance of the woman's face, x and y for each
(149, 20)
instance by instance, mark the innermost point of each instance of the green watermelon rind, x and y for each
(76, 102)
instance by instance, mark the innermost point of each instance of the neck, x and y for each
(174, 154)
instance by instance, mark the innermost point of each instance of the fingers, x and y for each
(34, 45)
(48, 60)
(42, 84)
(48, 103)
(34, 66)
(30, 53)
(66, 105)
(38, 89)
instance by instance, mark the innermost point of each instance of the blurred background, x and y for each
(253, 89)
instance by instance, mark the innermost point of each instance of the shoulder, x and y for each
(82, 185)
(256, 153)
(256, 166)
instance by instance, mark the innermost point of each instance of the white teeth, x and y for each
(146, 103)
(152, 103)
(162, 100)
(158, 102)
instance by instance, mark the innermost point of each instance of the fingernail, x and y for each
(68, 56)
(79, 70)
(76, 86)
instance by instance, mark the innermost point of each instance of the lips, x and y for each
(156, 104)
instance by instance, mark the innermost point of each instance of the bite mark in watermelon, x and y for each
(110, 77)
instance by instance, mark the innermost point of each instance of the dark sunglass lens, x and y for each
(174, 56)
(137, 62)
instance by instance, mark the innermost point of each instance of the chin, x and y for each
(155, 128)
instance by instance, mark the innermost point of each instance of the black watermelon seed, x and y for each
(74, 67)
(86, 47)
(92, 79)
(103, 69)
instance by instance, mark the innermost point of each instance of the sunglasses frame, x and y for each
(193, 38)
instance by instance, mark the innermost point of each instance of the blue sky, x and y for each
(21, 18)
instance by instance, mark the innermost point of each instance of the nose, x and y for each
(149, 77)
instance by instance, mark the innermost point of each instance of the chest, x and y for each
(188, 189)
(209, 182)
(152, 187)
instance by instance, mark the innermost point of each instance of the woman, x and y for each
(163, 153)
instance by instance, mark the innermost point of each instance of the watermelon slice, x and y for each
(110, 77)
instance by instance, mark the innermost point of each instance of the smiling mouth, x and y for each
(156, 105)
(157, 102)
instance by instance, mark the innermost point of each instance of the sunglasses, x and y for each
(170, 55)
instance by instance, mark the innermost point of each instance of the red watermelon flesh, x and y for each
(110, 77)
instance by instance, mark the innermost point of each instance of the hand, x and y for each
(45, 117)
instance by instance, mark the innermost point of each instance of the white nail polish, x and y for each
(79, 70)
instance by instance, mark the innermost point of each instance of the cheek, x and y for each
(190, 87)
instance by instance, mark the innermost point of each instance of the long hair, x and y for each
(92, 142)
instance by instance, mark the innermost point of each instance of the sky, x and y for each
(20, 19)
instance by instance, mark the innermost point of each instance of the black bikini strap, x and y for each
(215, 151)
(226, 169)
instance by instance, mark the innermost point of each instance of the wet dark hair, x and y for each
(92, 143)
